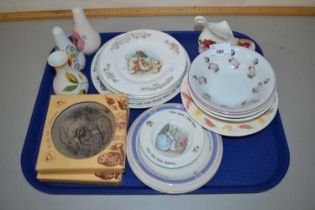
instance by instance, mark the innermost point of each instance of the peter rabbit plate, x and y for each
(142, 62)
(170, 138)
(186, 179)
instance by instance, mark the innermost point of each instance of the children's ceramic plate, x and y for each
(164, 184)
(142, 62)
(170, 138)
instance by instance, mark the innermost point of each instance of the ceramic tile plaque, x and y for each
(84, 134)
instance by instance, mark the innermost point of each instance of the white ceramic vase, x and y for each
(86, 38)
(67, 79)
(213, 33)
(63, 43)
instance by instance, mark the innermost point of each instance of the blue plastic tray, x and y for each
(250, 164)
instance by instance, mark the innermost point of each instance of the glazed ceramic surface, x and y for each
(134, 101)
(164, 184)
(238, 82)
(76, 58)
(171, 139)
(223, 127)
(215, 33)
(142, 62)
(235, 117)
(67, 80)
(85, 37)
(184, 172)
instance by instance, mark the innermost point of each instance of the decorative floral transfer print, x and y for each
(113, 158)
(111, 103)
(73, 56)
(205, 43)
(245, 43)
(107, 176)
(172, 139)
(234, 62)
(212, 66)
(122, 103)
(78, 41)
(76, 82)
(109, 74)
(126, 38)
(140, 62)
(174, 46)
(206, 96)
(252, 70)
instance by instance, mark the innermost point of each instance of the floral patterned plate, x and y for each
(142, 62)
(207, 170)
(171, 139)
(238, 82)
(222, 127)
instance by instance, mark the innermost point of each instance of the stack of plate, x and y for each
(171, 153)
(232, 94)
(147, 65)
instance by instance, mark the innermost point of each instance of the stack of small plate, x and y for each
(169, 152)
(147, 65)
(233, 94)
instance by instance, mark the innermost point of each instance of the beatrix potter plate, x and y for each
(184, 172)
(162, 184)
(171, 139)
(133, 102)
(142, 62)
(224, 127)
(238, 82)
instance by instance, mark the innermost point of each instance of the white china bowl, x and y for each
(225, 127)
(235, 118)
(236, 83)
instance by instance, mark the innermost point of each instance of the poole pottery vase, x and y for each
(67, 80)
(85, 37)
(76, 59)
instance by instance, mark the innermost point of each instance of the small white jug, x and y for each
(85, 36)
(63, 43)
(213, 33)
(67, 80)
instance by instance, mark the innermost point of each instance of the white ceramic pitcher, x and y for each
(213, 33)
